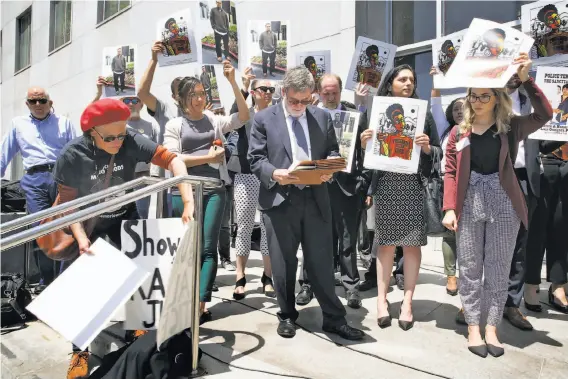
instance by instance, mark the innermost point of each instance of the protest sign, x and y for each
(371, 61)
(553, 81)
(318, 62)
(346, 124)
(547, 23)
(178, 39)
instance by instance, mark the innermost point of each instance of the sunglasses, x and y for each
(130, 101)
(296, 102)
(35, 101)
(484, 99)
(119, 137)
(265, 89)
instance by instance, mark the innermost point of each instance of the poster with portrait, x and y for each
(152, 245)
(318, 62)
(217, 23)
(547, 23)
(178, 39)
(118, 71)
(267, 48)
(345, 125)
(486, 55)
(444, 52)
(395, 122)
(207, 76)
(553, 81)
(371, 60)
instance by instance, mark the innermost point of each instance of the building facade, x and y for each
(58, 44)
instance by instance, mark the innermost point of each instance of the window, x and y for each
(421, 63)
(458, 14)
(108, 8)
(23, 39)
(413, 21)
(60, 25)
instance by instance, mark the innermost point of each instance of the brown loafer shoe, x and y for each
(79, 365)
(517, 319)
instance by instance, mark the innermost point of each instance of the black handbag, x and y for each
(15, 299)
(433, 198)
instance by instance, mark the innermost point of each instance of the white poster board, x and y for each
(81, 301)
(217, 26)
(395, 122)
(318, 62)
(119, 71)
(178, 38)
(547, 23)
(371, 60)
(444, 52)
(151, 244)
(176, 313)
(266, 40)
(553, 81)
(486, 55)
(346, 125)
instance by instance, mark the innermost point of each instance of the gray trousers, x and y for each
(486, 236)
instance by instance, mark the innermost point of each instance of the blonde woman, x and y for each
(483, 200)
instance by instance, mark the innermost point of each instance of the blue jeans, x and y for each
(41, 191)
(143, 207)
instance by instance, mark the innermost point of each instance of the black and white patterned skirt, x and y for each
(399, 210)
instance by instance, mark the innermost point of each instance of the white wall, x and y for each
(70, 73)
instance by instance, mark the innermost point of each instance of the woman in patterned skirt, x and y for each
(399, 206)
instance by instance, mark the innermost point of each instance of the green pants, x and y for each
(213, 208)
(449, 251)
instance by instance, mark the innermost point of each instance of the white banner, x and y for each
(444, 52)
(486, 55)
(553, 81)
(371, 60)
(151, 244)
(395, 122)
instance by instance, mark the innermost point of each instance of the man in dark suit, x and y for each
(295, 214)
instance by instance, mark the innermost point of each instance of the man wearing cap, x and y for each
(39, 137)
(81, 169)
(220, 25)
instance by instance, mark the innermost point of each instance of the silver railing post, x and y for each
(198, 240)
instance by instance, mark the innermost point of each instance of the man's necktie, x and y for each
(302, 153)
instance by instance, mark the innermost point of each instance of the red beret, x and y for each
(104, 112)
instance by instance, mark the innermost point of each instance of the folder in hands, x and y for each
(310, 172)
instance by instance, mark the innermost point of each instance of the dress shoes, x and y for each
(480, 350)
(517, 319)
(305, 295)
(345, 331)
(399, 280)
(404, 325)
(385, 322)
(533, 307)
(556, 304)
(368, 284)
(353, 299)
(286, 328)
(452, 286)
(495, 351)
(460, 317)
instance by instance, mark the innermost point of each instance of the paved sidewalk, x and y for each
(244, 334)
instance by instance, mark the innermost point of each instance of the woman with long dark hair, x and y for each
(194, 137)
(399, 206)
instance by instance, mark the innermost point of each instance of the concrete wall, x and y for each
(70, 73)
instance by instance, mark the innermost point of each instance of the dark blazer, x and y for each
(239, 163)
(270, 149)
(456, 178)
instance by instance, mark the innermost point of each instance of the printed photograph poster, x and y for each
(217, 23)
(318, 62)
(485, 57)
(371, 60)
(346, 124)
(395, 122)
(267, 48)
(444, 52)
(207, 76)
(152, 245)
(178, 39)
(553, 81)
(547, 23)
(118, 70)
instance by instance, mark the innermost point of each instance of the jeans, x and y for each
(116, 78)
(213, 209)
(225, 50)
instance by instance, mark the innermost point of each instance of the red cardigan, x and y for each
(456, 177)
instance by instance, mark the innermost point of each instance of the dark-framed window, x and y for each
(108, 8)
(23, 39)
(60, 23)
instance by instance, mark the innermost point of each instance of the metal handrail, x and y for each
(95, 210)
(74, 204)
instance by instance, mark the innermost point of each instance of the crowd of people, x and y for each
(504, 196)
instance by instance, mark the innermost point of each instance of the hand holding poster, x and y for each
(371, 60)
(178, 39)
(318, 62)
(553, 81)
(444, 52)
(346, 124)
(486, 55)
(395, 121)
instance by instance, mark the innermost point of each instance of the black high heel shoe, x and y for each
(266, 281)
(404, 325)
(552, 300)
(385, 322)
(242, 282)
(533, 307)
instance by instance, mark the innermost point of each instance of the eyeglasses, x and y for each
(35, 101)
(195, 95)
(296, 102)
(132, 101)
(119, 137)
(265, 89)
(483, 98)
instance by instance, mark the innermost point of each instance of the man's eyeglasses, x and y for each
(483, 98)
(132, 101)
(296, 102)
(35, 101)
(265, 89)
(119, 137)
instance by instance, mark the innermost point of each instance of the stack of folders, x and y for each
(310, 172)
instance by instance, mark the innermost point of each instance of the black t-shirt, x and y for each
(83, 166)
(485, 150)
